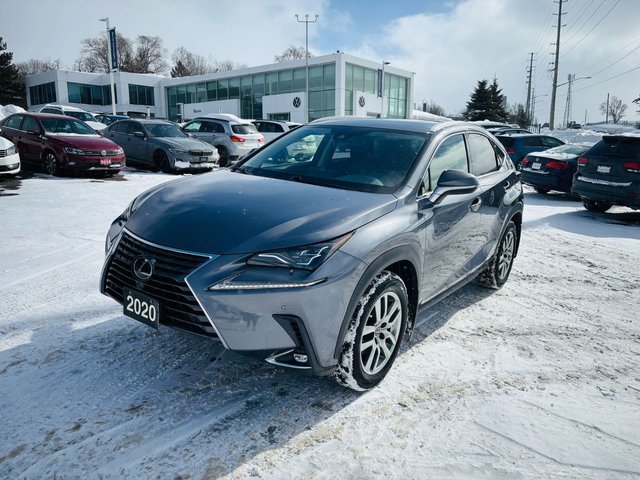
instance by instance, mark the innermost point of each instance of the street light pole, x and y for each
(113, 93)
(306, 22)
(382, 89)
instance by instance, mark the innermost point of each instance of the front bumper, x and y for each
(186, 161)
(97, 164)
(626, 194)
(271, 323)
(10, 164)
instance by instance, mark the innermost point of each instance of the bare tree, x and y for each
(150, 55)
(617, 109)
(435, 109)
(187, 63)
(95, 54)
(226, 65)
(291, 53)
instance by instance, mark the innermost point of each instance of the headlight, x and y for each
(11, 150)
(178, 151)
(74, 151)
(119, 151)
(308, 257)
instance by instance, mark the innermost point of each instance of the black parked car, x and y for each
(552, 169)
(521, 144)
(609, 173)
(321, 263)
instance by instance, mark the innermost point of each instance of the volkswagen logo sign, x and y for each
(143, 268)
(103, 152)
(361, 101)
(297, 102)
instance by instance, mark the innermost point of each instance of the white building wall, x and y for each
(372, 104)
(193, 110)
(286, 103)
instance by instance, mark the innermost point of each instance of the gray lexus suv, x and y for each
(321, 262)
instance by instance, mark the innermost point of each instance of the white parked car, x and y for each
(9, 158)
(271, 129)
(74, 112)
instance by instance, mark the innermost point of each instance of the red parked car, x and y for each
(58, 143)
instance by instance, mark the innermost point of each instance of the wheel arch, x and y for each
(403, 261)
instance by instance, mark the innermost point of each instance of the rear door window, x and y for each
(14, 122)
(551, 142)
(193, 127)
(30, 124)
(482, 155)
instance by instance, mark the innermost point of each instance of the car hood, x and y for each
(182, 143)
(86, 142)
(5, 144)
(97, 126)
(223, 212)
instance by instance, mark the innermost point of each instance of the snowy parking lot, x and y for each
(540, 379)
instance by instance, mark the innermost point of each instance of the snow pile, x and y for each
(420, 115)
(575, 135)
(9, 109)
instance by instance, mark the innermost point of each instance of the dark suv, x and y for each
(321, 263)
(520, 144)
(609, 173)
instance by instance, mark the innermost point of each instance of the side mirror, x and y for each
(451, 182)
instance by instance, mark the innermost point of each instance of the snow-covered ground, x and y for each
(538, 380)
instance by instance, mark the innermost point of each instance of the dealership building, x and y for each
(339, 84)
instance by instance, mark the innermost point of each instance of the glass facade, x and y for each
(89, 94)
(141, 95)
(361, 79)
(44, 93)
(250, 89)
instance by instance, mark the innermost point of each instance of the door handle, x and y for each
(476, 204)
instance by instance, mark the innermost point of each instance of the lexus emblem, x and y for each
(361, 101)
(143, 268)
(297, 102)
(103, 152)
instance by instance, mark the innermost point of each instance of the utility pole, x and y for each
(552, 113)
(530, 72)
(306, 22)
(110, 60)
(607, 114)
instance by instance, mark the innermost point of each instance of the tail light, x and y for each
(510, 151)
(235, 138)
(583, 161)
(525, 161)
(556, 165)
(632, 166)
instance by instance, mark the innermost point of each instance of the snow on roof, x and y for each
(420, 115)
(9, 109)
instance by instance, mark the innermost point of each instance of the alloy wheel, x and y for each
(380, 333)
(50, 164)
(507, 250)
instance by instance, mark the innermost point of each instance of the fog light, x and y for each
(300, 358)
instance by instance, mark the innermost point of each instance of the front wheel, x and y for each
(541, 190)
(224, 157)
(50, 164)
(593, 206)
(374, 334)
(161, 162)
(497, 271)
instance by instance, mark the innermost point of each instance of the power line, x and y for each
(608, 57)
(617, 61)
(594, 27)
(586, 21)
(610, 78)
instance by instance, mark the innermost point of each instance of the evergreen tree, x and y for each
(497, 112)
(180, 70)
(11, 89)
(478, 107)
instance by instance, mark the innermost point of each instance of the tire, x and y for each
(593, 206)
(224, 157)
(541, 190)
(497, 271)
(161, 162)
(374, 334)
(50, 164)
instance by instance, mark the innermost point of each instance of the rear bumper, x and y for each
(550, 180)
(626, 194)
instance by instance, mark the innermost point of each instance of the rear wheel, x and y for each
(224, 156)
(497, 271)
(593, 206)
(541, 190)
(50, 164)
(374, 334)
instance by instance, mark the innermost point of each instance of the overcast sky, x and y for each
(449, 44)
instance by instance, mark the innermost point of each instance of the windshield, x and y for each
(356, 158)
(84, 116)
(164, 130)
(68, 127)
(244, 129)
